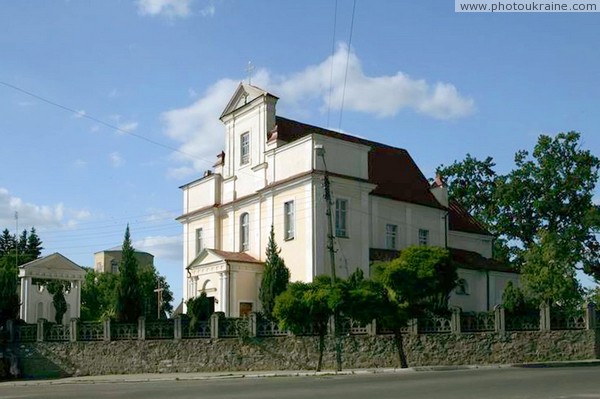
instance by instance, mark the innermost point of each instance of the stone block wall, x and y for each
(300, 353)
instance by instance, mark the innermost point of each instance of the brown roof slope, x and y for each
(235, 256)
(461, 220)
(392, 169)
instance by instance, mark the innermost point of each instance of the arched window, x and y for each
(244, 231)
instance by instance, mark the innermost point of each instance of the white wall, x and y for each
(471, 242)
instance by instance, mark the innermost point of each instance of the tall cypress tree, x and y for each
(275, 278)
(129, 306)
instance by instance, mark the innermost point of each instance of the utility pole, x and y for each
(320, 151)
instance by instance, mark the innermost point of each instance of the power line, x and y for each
(100, 121)
(347, 62)
(332, 54)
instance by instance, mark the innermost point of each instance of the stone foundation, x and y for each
(300, 353)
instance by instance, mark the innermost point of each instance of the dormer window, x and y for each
(245, 148)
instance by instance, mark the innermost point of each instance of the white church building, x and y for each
(270, 174)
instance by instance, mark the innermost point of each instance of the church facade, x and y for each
(271, 173)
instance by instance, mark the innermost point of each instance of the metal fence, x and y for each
(218, 326)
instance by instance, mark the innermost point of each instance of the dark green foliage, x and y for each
(7, 243)
(34, 244)
(544, 205)
(13, 252)
(416, 283)
(9, 297)
(305, 306)
(516, 302)
(98, 295)
(198, 309)
(149, 280)
(275, 279)
(363, 300)
(60, 305)
(129, 302)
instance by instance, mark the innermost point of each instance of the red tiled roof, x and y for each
(392, 169)
(235, 256)
(473, 260)
(461, 220)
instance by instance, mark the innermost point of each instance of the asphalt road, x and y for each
(509, 383)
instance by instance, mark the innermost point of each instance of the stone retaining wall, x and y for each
(300, 353)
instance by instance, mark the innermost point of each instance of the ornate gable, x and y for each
(244, 94)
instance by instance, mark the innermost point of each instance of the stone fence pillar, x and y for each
(141, 328)
(177, 334)
(590, 316)
(413, 327)
(499, 319)
(372, 328)
(40, 330)
(73, 329)
(106, 325)
(455, 320)
(544, 317)
(214, 325)
(252, 320)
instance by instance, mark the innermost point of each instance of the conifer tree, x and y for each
(34, 244)
(7, 243)
(128, 294)
(275, 278)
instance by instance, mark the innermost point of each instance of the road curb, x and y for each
(133, 378)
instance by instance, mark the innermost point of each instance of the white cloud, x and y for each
(124, 126)
(208, 11)
(38, 216)
(199, 130)
(159, 215)
(80, 163)
(168, 8)
(115, 159)
(80, 114)
(162, 247)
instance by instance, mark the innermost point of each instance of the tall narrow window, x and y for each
(199, 243)
(245, 148)
(244, 231)
(341, 211)
(423, 237)
(391, 232)
(288, 209)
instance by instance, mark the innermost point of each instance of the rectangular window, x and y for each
(423, 237)
(341, 212)
(391, 232)
(199, 244)
(245, 148)
(288, 209)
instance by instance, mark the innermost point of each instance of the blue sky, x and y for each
(420, 76)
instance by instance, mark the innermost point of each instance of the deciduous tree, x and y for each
(308, 305)
(416, 283)
(544, 205)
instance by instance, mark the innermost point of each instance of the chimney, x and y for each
(439, 189)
